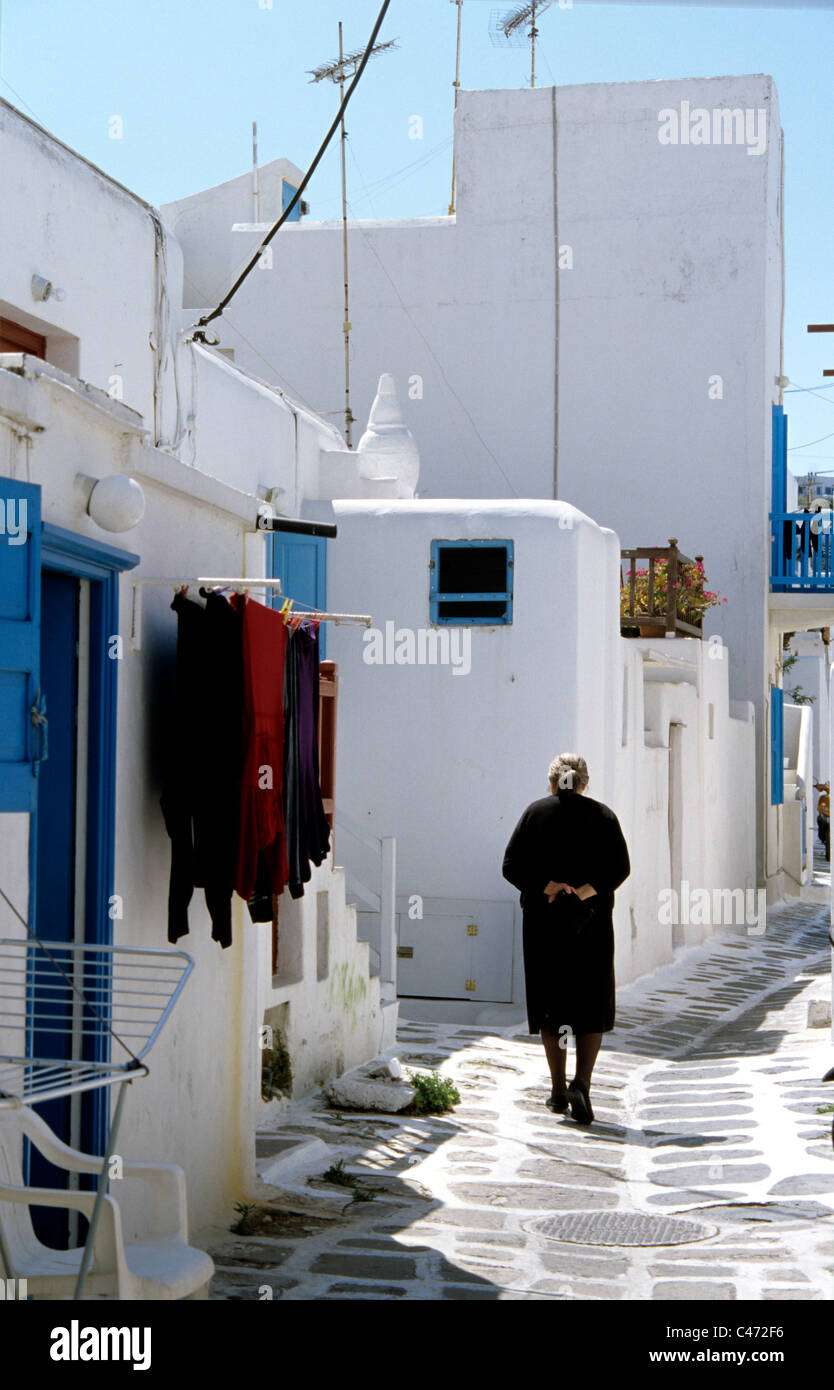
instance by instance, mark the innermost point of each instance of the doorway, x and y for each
(675, 821)
(72, 835)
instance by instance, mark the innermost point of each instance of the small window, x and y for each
(471, 582)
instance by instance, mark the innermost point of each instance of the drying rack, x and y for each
(241, 584)
(111, 1001)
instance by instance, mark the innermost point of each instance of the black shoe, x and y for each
(580, 1103)
(557, 1101)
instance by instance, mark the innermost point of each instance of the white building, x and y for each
(466, 720)
(599, 322)
(96, 383)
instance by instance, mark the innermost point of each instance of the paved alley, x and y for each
(706, 1100)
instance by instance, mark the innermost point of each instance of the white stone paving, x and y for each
(705, 1098)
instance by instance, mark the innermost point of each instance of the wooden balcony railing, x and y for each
(660, 614)
(328, 698)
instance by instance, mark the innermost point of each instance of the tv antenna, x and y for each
(456, 85)
(345, 66)
(507, 28)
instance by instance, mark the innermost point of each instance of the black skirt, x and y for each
(569, 966)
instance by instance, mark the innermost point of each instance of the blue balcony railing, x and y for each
(802, 552)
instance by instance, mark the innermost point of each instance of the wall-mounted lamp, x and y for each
(43, 289)
(116, 503)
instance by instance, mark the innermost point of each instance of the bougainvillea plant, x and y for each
(693, 598)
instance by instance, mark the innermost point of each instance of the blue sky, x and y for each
(188, 77)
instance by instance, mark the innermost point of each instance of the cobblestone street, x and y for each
(706, 1100)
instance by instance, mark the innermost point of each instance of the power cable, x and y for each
(199, 336)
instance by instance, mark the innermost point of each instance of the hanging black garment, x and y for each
(569, 943)
(201, 797)
(308, 833)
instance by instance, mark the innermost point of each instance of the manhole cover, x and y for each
(619, 1228)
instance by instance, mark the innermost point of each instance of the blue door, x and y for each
(70, 798)
(300, 562)
(54, 873)
(20, 598)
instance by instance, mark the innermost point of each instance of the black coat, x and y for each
(568, 944)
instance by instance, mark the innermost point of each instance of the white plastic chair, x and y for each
(160, 1266)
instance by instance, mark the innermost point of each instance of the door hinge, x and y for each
(470, 986)
(472, 930)
(405, 952)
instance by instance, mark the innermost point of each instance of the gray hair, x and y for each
(568, 772)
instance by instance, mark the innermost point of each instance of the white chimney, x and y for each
(388, 449)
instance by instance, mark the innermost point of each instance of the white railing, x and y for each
(381, 901)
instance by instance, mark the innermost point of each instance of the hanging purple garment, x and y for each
(308, 833)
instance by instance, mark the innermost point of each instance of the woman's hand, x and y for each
(586, 891)
(553, 889)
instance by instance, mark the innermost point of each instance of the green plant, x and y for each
(364, 1194)
(244, 1211)
(435, 1093)
(336, 1173)
(276, 1069)
(825, 1109)
(693, 599)
(797, 695)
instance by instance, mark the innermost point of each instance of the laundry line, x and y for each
(243, 583)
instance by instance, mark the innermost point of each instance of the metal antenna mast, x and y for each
(345, 66)
(507, 28)
(456, 84)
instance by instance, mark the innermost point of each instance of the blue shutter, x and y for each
(300, 562)
(20, 616)
(777, 764)
(288, 192)
(779, 491)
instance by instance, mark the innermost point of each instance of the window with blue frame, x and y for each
(471, 582)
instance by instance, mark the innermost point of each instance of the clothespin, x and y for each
(285, 609)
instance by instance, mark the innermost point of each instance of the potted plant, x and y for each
(692, 597)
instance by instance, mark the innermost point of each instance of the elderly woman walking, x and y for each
(567, 855)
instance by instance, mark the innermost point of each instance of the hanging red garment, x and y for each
(262, 833)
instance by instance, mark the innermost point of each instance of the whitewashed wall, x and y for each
(456, 759)
(64, 219)
(657, 269)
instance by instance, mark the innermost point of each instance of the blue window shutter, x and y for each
(300, 562)
(779, 456)
(779, 491)
(288, 192)
(777, 768)
(20, 617)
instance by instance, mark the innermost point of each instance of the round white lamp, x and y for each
(117, 503)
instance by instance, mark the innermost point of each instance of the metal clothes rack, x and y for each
(243, 584)
(111, 1001)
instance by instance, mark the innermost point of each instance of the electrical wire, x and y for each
(807, 445)
(215, 313)
(430, 350)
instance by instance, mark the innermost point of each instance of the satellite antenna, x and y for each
(507, 28)
(345, 66)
